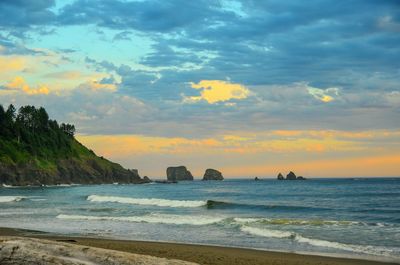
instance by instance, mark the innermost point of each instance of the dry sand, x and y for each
(175, 253)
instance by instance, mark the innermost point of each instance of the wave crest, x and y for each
(11, 198)
(145, 201)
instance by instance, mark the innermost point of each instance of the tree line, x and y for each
(31, 130)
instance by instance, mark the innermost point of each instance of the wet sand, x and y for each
(201, 254)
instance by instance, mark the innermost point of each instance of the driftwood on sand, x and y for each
(22, 250)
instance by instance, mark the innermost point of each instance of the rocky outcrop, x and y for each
(178, 174)
(67, 171)
(256, 179)
(290, 176)
(212, 174)
(146, 178)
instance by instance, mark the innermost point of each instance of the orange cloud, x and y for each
(8, 64)
(214, 91)
(20, 84)
(96, 86)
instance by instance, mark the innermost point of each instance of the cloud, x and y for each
(8, 64)
(96, 85)
(19, 84)
(306, 152)
(69, 75)
(324, 95)
(214, 91)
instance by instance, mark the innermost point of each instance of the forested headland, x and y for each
(36, 150)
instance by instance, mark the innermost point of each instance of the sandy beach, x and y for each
(120, 251)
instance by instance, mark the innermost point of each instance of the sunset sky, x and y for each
(251, 88)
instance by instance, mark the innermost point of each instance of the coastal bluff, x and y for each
(36, 151)
(178, 173)
(212, 174)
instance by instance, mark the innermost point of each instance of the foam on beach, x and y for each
(365, 249)
(147, 201)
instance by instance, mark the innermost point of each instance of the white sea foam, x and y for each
(371, 250)
(266, 232)
(150, 218)
(365, 249)
(145, 201)
(10, 198)
(280, 221)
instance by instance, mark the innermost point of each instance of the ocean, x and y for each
(357, 217)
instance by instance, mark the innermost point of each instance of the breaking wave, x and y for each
(11, 198)
(365, 249)
(145, 201)
(282, 221)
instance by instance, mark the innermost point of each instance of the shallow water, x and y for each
(336, 216)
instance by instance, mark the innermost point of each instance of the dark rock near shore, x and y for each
(256, 179)
(165, 182)
(212, 174)
(280, 176)
(146, 178)
(178, 174)
(301, 178)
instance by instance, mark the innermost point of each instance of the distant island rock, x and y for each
(290, 176)
(212, 174)
(178, 173)
(256, 179)
(35, 150)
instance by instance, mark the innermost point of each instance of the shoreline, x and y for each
(202, 254)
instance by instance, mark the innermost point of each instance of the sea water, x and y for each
(357, 217)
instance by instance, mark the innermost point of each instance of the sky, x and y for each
(251, 88)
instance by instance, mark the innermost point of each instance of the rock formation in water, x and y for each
(212, 174)
(256, 179)
(178, 174)
(290, 176)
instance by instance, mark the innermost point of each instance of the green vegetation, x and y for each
(35, 150)
(29, 134)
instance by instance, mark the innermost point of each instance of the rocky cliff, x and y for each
(35, 150)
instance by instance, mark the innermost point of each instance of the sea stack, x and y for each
(291, 176)
(212, 174)
(178, 174)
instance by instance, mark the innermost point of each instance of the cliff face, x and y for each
(83, 168)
